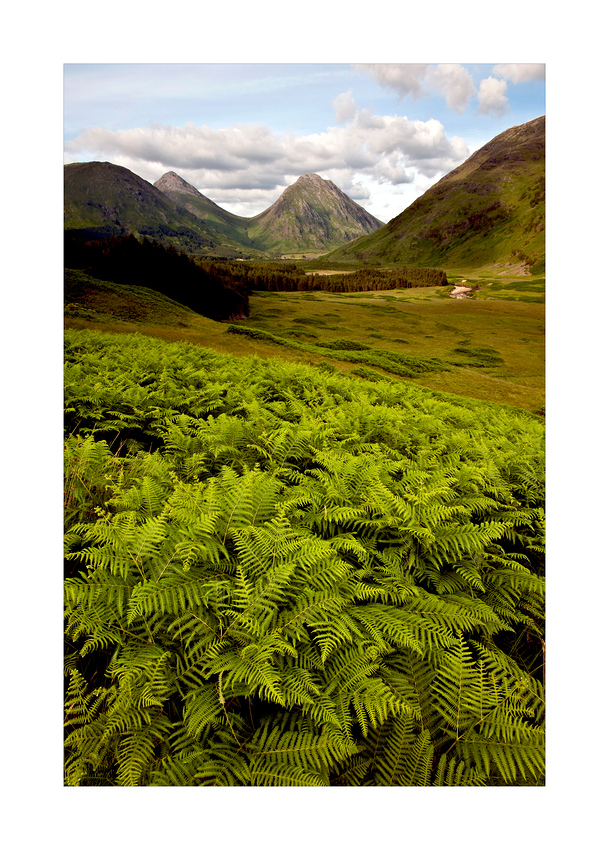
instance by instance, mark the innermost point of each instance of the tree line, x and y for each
(274, 277)
(220, 289)
(212, 292)
(365, 280)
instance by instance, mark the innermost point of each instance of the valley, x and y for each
(304, 498)
(503, 320)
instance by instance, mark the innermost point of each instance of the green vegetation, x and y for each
(491, 209)
(279, 575)
(292, 277)
(212, 292)
(304, 500)
(425, 322)
(351, 352)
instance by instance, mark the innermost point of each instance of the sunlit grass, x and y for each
(492, 345)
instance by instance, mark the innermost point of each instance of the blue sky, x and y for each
(241, 133)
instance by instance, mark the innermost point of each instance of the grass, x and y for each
(491, 346)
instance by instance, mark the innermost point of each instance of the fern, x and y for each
(301, 580)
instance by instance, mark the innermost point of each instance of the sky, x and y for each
(242, 133)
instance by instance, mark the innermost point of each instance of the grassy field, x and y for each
(491, 346)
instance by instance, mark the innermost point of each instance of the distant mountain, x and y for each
(489, 210)
(311, 215)
(224, 223)
(102, 199)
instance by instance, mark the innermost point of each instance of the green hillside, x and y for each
(490, 211)
(102, 199)
(232, 230)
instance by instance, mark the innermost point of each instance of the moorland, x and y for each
(489, 346)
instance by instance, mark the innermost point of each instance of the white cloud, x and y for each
(404, 79)
(521, 72)
(344, 107)
(455, 83)
(247, 166)
(491, 96)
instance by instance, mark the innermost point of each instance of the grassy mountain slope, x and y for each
(311, 215)
(490, 210)
(102, 199)
(227, 225)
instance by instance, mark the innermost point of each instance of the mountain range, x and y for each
(488, 211)
(311, 216)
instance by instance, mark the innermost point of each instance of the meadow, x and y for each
(489, 347)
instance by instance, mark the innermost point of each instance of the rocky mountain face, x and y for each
(312, 214)
(489, 211)
(172, 184)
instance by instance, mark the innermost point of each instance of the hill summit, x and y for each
(172, 182)
(312, 214)
(102, 199)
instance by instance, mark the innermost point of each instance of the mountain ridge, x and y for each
(311, 215)
(104, 199)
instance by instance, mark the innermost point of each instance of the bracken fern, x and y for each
(278, 577)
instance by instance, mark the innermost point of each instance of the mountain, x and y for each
(311, 215)
(490, 210)
(102, 199)
(224, 223)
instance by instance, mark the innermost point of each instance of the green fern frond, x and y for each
(266, 774)
(136, 754)
(456, 773)
(201, 707)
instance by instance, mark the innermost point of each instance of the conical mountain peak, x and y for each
(310, 177)
(172, 182)
(312, 214)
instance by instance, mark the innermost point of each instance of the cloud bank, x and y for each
(451, 81)
(520, 73)
(245, 167)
